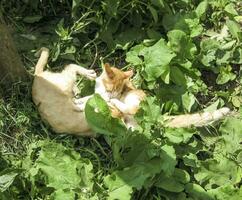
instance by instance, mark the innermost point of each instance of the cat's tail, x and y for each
(43, 55)
(197, 119)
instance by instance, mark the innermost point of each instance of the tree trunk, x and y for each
(11, 67)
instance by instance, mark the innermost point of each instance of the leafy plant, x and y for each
(186, 56)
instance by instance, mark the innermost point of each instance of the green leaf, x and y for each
(59, 168)
(201, 9)
(234, 29)
(133, 55)
(168, 156)
(170, 184)
(188, 100)
(121, 182)
(226, 192)
(197, 192)
(175, 183)
(179, 135)
(218, 171)
(156, 59)
(237, 55)
(230, 9)
(225, 75)
(177, 76)
(158, 3)
(153, 13)
(191, 160)
(208, 51)
(181, 44)
(62, 195)
(99, 117)
(7, 177)
(231, 134)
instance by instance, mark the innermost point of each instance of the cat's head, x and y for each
(116, 80)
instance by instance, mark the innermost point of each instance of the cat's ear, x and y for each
(108, 70)
(129, 73)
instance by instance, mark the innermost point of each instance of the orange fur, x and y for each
(119, 85)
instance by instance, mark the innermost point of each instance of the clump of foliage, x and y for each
(186, 55)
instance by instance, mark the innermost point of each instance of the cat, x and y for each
(128, 103)
(53, 94)
(126, 99)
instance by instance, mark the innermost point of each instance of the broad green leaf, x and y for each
(181, 44)
(133, 55)
(218, 171)
(59, 168)
(237, 55)
(201, 9)
(179, 135)
(195, 28)
(231, 131)
(154, 34)
(158, 3)
(225, 75)
(7, 178)
(156, 58)
(121, 182)
(122, 193)
(168, 156)
(234, 29)
(208, 51)
(174, 183)
(214, 106)
(197, 192)
(191, 160)
(153, 13)
(170, 184)
(226, 192)
(188, 100)
(223, 57)
(177, 76)
(230, 9)
(63, 195)
(208, 45)
(236, 101)
(99, 117)
(169, 21)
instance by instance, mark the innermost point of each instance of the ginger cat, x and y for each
(125, 100)
(129, 99)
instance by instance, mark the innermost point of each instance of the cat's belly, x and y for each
(64, 119)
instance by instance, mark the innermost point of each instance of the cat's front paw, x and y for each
(114, 102)
(91, 74)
